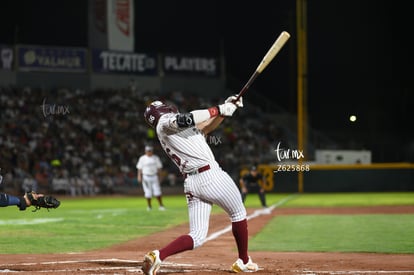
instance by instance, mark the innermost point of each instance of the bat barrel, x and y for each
(271, 53)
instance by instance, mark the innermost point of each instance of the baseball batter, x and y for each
(149, 167)
(182, 136)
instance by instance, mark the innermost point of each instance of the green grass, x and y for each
(345, 233)
(387, 233)
(82, 224)
(351, 199)
(85, 224)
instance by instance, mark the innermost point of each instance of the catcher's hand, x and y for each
(41, 201)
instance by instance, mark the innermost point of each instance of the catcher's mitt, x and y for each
(42, 201)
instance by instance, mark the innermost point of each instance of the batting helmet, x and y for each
(155, 110)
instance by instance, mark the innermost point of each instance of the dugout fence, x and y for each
(340, 178)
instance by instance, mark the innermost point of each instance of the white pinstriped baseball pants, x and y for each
(210, 187)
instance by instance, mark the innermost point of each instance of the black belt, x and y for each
(197, 171)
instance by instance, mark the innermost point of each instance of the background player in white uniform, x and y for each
(182, 136)
(149, 167)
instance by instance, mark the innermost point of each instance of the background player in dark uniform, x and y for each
(21, 202)
(8, 200)
(253, 182)
(28, 199)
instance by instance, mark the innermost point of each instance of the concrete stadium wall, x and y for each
(7, 78)
(47, 80)
(347, 180)
(202, 86)
(111, 81)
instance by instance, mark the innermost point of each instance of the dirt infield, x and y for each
(217, 254)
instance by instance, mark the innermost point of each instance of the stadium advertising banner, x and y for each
(121, 25)
(97, 24)
(194, 65)
(6, 60)
(54, 59)
(124, 62)
(111, 24)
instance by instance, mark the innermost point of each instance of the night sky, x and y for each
(359, 58)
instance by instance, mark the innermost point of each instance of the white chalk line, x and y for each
(213, 236)
(339, 272)
(255, 214)
(167, 266)
(99, 215)
(114, 260)
(29, 221)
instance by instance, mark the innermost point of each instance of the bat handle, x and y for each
(249, 82)
(240, 94)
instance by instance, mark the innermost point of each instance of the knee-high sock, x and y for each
(182, 243)
(241, 236)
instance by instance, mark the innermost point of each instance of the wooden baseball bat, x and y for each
(271, 53)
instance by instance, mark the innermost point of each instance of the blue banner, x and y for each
(124, 62)
(55, 59)
(191, 65)
(6, 57)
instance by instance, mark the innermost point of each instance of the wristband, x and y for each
(214, 111)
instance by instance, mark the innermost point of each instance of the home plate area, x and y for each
(103, 266)
(118, 266)
(217, 254)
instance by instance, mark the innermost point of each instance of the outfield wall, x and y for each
(346, 178)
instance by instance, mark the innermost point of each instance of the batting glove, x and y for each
(227, 109)
(232, 99)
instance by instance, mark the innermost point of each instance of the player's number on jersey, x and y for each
(173, 156)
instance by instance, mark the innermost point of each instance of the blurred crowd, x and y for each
(84, 143)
